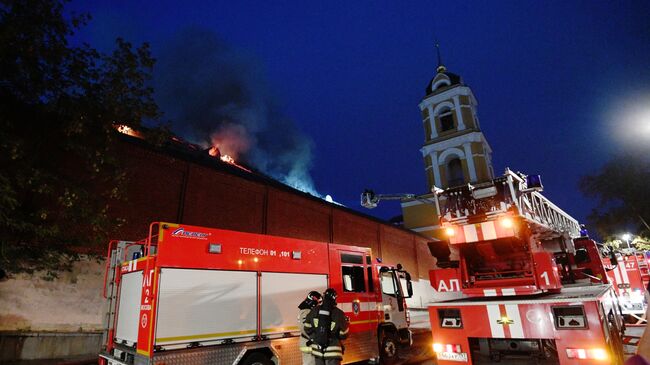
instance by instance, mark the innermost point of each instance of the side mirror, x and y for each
(409, 285)
(581, 256)
(409, 288)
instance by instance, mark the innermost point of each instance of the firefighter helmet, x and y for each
(330, 294)
(314, 297)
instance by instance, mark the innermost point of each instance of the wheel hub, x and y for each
(389, 348)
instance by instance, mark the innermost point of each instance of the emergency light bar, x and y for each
(534, 182)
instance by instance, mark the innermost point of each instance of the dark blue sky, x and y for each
(549, 77)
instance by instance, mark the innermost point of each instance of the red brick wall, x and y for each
(165, 188)
(217, 199)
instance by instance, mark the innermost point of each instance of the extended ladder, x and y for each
(504, 194)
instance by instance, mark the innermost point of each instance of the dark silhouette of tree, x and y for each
(58, 106)
(621, 188)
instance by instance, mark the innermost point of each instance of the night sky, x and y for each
(553, 79)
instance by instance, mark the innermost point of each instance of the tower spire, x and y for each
(441, 67)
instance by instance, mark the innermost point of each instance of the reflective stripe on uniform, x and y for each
(305, 349)
(329, 351)
(308, 325)
(332, 325)
(327, 313)
(315, 322)
(315, 351)
(344, 332)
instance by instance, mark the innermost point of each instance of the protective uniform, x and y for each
(312, 300)
(326, 326)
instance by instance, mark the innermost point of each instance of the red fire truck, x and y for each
(628, 273)
(196, 295)
(517, 280)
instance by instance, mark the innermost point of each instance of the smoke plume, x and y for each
(216, 95)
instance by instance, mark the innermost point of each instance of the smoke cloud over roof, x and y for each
(216, 95)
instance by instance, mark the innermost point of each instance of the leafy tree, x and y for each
(58, 106)
(621, 189)
(639, 242)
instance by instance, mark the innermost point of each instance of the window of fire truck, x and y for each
(353, 279)
(491, 262)
(569, 317)
(348, 258)
(371, 283)
(388, 283)
(450, 318)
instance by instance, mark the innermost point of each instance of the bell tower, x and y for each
(455, 150)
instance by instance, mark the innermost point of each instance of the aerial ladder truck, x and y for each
(517, 277)
(526, 283)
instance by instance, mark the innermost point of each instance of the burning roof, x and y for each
(214, 151)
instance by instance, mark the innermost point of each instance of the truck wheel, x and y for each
(256, 358)
(389, 349)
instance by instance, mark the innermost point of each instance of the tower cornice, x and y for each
(474, 136)
(447, 94)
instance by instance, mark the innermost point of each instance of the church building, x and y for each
(455, 151)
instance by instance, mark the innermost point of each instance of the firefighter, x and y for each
(326, 326)
(313, 299)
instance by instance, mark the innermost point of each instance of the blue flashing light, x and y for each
(534, 182)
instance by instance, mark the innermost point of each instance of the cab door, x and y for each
(392, 298)
(354, 298)
(349, 272)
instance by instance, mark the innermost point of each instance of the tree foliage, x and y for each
(621, 189)
(58, 106)
(638, 242)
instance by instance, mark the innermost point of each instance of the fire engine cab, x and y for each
(516, 279)
(194, 295)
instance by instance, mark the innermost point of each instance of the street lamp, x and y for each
(627, 237)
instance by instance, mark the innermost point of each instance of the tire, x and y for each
(388, 349)
(256, 358)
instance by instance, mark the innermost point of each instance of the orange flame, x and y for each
(214, 152)
(228, 159)
(125, 129)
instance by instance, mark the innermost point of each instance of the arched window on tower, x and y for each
(455, 176)
(446, 120)
(440, 84)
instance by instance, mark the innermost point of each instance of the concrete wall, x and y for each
(71, 303)
(47, 345)
(44, 319)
